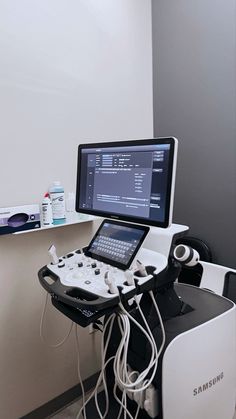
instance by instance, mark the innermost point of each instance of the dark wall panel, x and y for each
(194, 59)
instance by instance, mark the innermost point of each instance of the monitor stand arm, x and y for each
(161, 240)
(169, 303)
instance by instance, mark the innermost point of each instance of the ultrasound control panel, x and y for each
(83, 272)
(113, 268)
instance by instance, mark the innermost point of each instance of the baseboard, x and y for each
(63, 400)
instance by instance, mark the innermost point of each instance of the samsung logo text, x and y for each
(208, 385)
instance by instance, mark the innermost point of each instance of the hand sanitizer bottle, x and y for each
(57, 196)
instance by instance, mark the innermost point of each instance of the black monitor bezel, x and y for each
(139, 220)
(119, 265)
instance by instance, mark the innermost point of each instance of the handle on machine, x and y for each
(61, 293)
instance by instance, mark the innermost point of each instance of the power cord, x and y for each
(56, 345)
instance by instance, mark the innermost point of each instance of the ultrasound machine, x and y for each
(168, 349)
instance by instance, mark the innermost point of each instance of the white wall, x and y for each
(70, 72)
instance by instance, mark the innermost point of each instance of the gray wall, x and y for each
(194, 58)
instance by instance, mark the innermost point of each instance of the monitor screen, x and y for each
(117, 243)
(128, 180)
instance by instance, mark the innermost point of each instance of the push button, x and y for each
(61, 265)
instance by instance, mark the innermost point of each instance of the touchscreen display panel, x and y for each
(117, 243)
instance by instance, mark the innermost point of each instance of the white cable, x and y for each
(95, 389)
(78, 369)
(102, 378)
(56, 345)
(101, 375)
(122, 351)
(121, 360)
(103, 352)
(121, 355)
(137, 412)
(122, 376)
(161, 322)
(121, 403)
(123, 406)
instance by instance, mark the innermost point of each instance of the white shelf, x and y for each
(71, 218)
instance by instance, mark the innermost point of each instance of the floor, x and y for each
(68, 412)
(71, 411)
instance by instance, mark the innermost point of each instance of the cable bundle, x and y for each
(128, 382)
(134, 382)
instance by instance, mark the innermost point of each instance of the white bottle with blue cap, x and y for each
(57, 195)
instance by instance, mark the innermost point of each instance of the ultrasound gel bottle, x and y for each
(57, 195)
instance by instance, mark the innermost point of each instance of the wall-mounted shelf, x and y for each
(71, 218)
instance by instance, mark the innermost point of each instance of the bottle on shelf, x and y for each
(70, 202)
(57, 195)
(46, 211)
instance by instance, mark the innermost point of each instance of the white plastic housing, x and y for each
(198, 376)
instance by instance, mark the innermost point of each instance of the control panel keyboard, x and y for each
(80, 271)
(76, 270)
